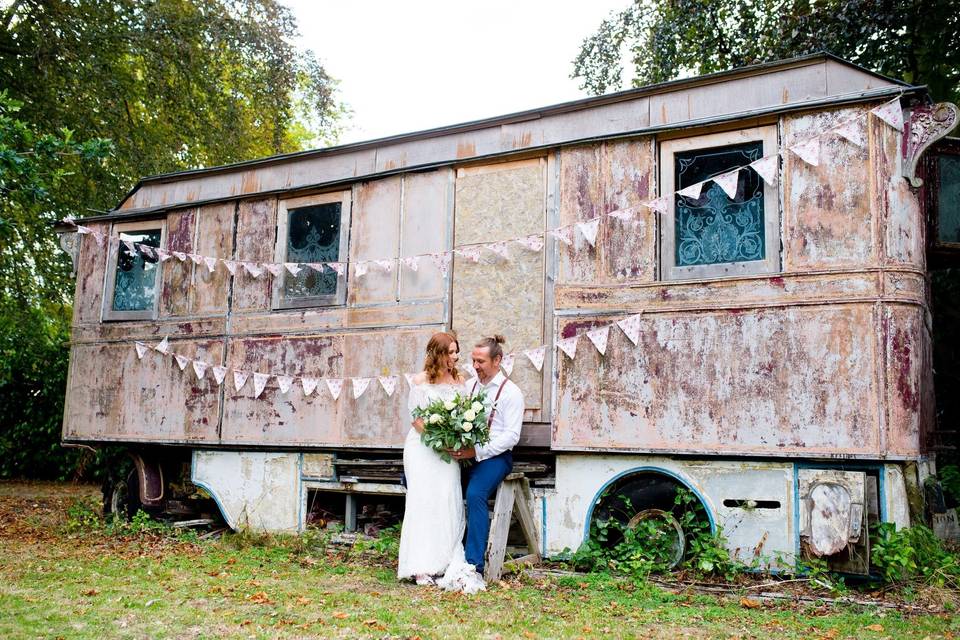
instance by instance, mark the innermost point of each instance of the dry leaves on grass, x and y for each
(260, 597)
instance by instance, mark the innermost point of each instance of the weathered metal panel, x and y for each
(256, 238)
(176, 276)
(375, 234)
(425, 228)
(581, 198)
(210, 291)
(909, 385)
(828, 220)
(88, 295)
(494, 203)
(150, 331)
(896, 203)
(326, 318)
(114, 396)
(784, 381)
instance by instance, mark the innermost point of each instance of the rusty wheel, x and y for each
(667, 532)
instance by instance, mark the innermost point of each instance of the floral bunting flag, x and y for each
(808, 151)
(360, 269)
(82, 230)
(211, 264)
(359, 386)
(631, 328)
(625, 214)
(568, 346)
(533, 242)
(728, 182)
(336, 266)
(231, 266)
(411, 262)
(507, 364)
(239, 379)
(131, 250)
(195, 258)
(141, 349)
(766, 168)
(317, 266)
(563, 234)
(148, 251)
(179, 255)
(284, 382)
(589, 230)
(599, 338)
(181, 361)
(389, 384)
(660, 205)
(163, 346)
(253, 269)
(219, 373)
(335, 385)
(293, 268)
(200, 368)
(441, 260)
(274, 268)
(470, 253)
(536, 357)
(162, 254)
(259, 383)
(409, 377)
(385, 265)
(309, 385)
(693, 191)
(500, 248)
(891, 113)
(850, 130)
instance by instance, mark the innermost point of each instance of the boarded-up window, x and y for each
(133, 281)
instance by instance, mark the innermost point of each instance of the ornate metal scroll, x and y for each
(927, 124)
(70, 243)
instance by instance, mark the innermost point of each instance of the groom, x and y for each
(494, 459)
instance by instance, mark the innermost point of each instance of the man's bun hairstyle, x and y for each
(492, 343)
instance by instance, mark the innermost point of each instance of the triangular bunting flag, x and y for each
(253, 269)
(850, 130)
(661, 204)
(891, 113)
(163, 346)
(219, 373)
(500, 248)
(259, 383)
(231, 266)
(728, 182)
(625, 214)
(409, 377)
(389, 384)
(335, 385)
(147, 250)
(411, 262)
(82, 230)
(163, 255)
(360, 269)
(693, 191)
(179, 255)
(507, 364)
(274, 268)
(599, 337)
(141, 349)
(631, 328)
(284, 382)
(470, 253)
(318, 267)
(536, 357)
(808, 151)
(336, 266)
(196, 259)
(211, 264)
(563, 234)
(309, 384)
(385, 265)
(533, 242)
(568, 346)
(239, 379)
(131, 250)
(182, 361)
(359, 386)
(589, 230)
(442, 261)
(766, 168)
(294, 268)
(200, 368)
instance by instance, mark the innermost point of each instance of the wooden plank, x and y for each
(499, 528)
(523, 508)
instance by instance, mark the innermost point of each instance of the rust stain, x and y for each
(525, 140)
(901, 347)
(389, 164)
(466, 150)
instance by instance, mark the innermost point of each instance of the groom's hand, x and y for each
(464, 454)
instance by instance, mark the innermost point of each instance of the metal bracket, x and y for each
(926, 125)
(70, 243)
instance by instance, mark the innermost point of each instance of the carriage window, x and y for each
(948, 199)
(312, 231)
(134, 281)
(715, 235)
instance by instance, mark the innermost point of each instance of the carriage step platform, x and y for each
(513, 497)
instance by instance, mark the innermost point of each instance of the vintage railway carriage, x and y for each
(782, 369)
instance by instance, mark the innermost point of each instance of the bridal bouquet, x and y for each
(454, 424)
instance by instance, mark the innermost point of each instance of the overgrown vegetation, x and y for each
(913, 554)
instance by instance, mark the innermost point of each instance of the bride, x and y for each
(431, 538)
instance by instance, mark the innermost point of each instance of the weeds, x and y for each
(913, 554)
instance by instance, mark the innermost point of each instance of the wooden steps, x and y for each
(513, 497)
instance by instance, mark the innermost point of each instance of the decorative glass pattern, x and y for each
(948, 204)
(313, 235)
(715, 229)
(134, 286)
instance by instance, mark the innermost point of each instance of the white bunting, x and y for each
(631, 328)
(850, 130)
(211, 264)
(389, 384)
(533, 242)
(141, 349)
(728, 182)
(409, 377)
(385, 265)
(563, 234)
(259, 383)
(200, 368)
(309, 384)
(239, 379)
(219, 373)
(231, 266)
(568, 346)
(500, 248)
(294, 268)
(82, 230)
(766, 168)
(589, 230)
(274, 268)
(163, 346)
(147, 250)
(891, 113)
(599, 338)
(284, 382)
(693, 192)
(179, 255)
(661, 204)
(441, 260)
(317, 266)
(625, 214)
(506, 363)
(253, 269)
(470, 253)
(131, 250)
(808, 151)
(196, 259)
(163, 255)
(336, 266)
(359, 386)
(182, 361)
(360, 269)
(411, 262)
(335, 385)
(536, 357)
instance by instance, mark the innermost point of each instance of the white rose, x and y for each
(449, 405)
(466, 426)
(469, 415)
(477, 406)
(435, 418)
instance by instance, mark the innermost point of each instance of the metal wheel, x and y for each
(124, 499)
(667, 531)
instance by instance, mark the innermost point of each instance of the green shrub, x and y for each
(912, 553)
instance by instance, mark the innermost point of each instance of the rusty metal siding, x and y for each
(256, 234)
(209, 293)
(425, 227)
(176, 276)
(91, 265)
(375, 234)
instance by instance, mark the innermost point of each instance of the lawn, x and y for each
(63, 574)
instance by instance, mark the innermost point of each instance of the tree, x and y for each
(918, 42)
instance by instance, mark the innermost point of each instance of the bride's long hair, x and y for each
(435, 363)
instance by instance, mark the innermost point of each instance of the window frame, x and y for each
(667, 149)
(108, 313)
(940, 253)
(284, 207)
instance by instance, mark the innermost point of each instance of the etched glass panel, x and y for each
(135, 284)
(313, 235)
(948, 205)
(715, 229)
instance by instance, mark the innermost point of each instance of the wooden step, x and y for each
(513, 498)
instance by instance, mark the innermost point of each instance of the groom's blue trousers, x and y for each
(484, 478)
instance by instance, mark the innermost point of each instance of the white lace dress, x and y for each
(431, 538)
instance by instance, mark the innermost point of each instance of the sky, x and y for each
(420, 64)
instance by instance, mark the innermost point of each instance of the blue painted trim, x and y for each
(635, 470)
(208, 489)
(796, 514)
(301, 498)
(543, 526)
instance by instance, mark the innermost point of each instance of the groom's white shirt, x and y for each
(508, 419)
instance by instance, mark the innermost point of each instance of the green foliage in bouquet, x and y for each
(451, 425)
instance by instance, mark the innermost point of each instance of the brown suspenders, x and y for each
(493, 408)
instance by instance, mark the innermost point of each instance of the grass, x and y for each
(61, 580)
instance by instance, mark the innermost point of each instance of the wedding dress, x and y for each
(431, 537)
